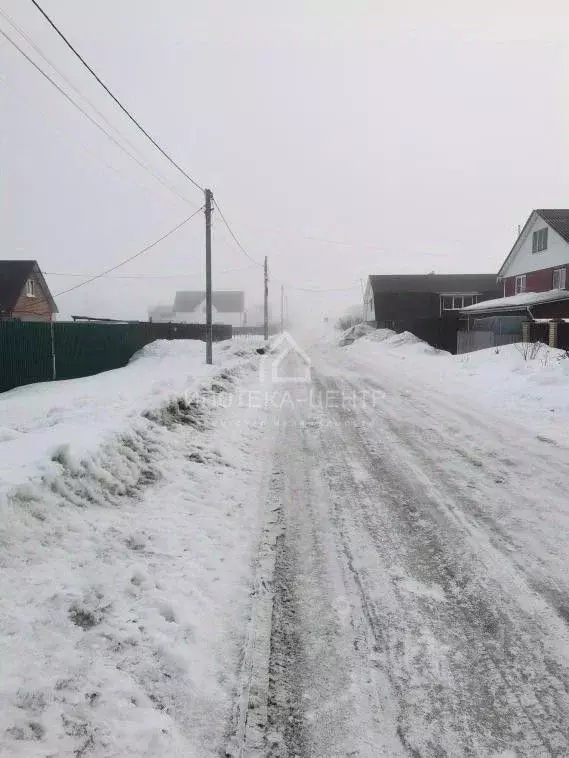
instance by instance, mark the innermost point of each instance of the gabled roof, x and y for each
(556, 218)
(436, 283)
(228, 301)
(13, 277)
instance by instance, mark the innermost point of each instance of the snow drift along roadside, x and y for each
(75, 418)
(527, 382)
(126, 531)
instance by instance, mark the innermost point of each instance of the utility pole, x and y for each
(282, 308)
(208, 314)
(266, 319)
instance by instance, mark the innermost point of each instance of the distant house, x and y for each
(161, 314)
(24, 293)
(228, 307)
(539, 259)
(395, 300)
(425, 304)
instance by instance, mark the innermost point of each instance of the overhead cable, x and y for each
(114, 97)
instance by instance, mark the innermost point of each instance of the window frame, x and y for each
(562, 273)
(539, 240)
(30, 288)
(520, 278)
(457, 300)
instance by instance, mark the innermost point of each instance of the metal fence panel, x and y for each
(31, 351)
(468, 342)
(25, 353)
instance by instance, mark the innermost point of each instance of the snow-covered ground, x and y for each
(521, 382)
(366, 560)
(126, 535)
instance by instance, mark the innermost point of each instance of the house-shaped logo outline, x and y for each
(275, 357)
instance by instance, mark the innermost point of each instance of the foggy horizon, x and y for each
(383, 138)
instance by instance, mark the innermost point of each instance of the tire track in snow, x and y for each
(324, 700)
(542, 712)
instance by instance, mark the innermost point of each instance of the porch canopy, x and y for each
(550, 305)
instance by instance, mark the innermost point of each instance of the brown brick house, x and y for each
(24, 293)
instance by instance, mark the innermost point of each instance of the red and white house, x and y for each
(535, 302)
(539, 259)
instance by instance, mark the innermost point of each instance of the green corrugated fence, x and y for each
(39, 352)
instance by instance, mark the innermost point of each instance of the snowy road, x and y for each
(421, 596)
(369, 563)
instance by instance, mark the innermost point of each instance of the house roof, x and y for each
(437, 283)
(13, 277)
(556, 218)
(224, 301)
(519, 303)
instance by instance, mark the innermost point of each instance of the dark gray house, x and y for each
(428, 305)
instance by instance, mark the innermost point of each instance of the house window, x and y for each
(30, 288)
(456, 302)
(446, 302)
(520, 284)
(559, 278)
(539, 241)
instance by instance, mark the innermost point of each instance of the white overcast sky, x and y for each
(420, 133)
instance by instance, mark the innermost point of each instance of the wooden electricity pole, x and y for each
(266, 309)
(282, 308)
(208, 309)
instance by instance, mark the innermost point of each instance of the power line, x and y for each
(149, 276)
(317, 290)
(88, 115)
(132, 257)
(234, 236)
(257, 263)
(125, 261)
(116, 100)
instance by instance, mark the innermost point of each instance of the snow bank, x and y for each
(519, 375)
(406, 341)
(354, 333)
(38, 420)
(524, 381)
(126, 531)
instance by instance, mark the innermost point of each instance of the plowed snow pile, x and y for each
(523, 381)
(126, 529)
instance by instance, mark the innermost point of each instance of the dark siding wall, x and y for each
(551, 310)
(405, 306)
(419, 313)
(536, 281)
(540, 281)
(492, 294)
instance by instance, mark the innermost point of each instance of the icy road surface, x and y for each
(419, 593)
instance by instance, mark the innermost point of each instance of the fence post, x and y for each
(53, 366)
(553, 329)
(526, 331)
